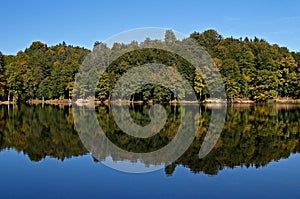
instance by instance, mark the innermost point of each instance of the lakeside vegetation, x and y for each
(252, 69)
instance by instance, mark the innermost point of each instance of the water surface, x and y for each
(257, 155)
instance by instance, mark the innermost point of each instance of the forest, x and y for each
(251, 68)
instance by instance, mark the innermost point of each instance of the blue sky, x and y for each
(81, 22)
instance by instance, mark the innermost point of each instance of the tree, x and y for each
(231, 77)
(250, 68)
(170, 37)
(2, 76)
(208, 39)
(288, 76)
(198, 84)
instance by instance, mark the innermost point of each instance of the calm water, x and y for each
(257, 155)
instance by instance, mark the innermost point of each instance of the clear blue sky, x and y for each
(82, 22)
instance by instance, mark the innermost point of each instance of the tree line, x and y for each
(40, 72)
(250, 68)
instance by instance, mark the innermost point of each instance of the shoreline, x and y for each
(81, 102)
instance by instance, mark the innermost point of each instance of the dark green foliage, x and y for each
(42, 72)
(208, 39)
(2, 77)
(251, 68)
(138, 58)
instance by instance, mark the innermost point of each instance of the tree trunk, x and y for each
(43, 100)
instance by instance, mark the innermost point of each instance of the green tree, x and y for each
(199, 84)
(231, 77)
(2, 77)
(288, 76)
(208, 39)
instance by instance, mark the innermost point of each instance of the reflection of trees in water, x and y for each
(252, 136)
(40, 132)
(140, 115)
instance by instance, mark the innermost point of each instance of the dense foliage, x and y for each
(41, 72)
(251, 68)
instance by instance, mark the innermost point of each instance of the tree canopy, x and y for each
(250, 68)
(41, 72)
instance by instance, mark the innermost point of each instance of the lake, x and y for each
(42, 155)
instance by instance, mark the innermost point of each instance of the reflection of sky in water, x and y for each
(126, 165)
(81, 177)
